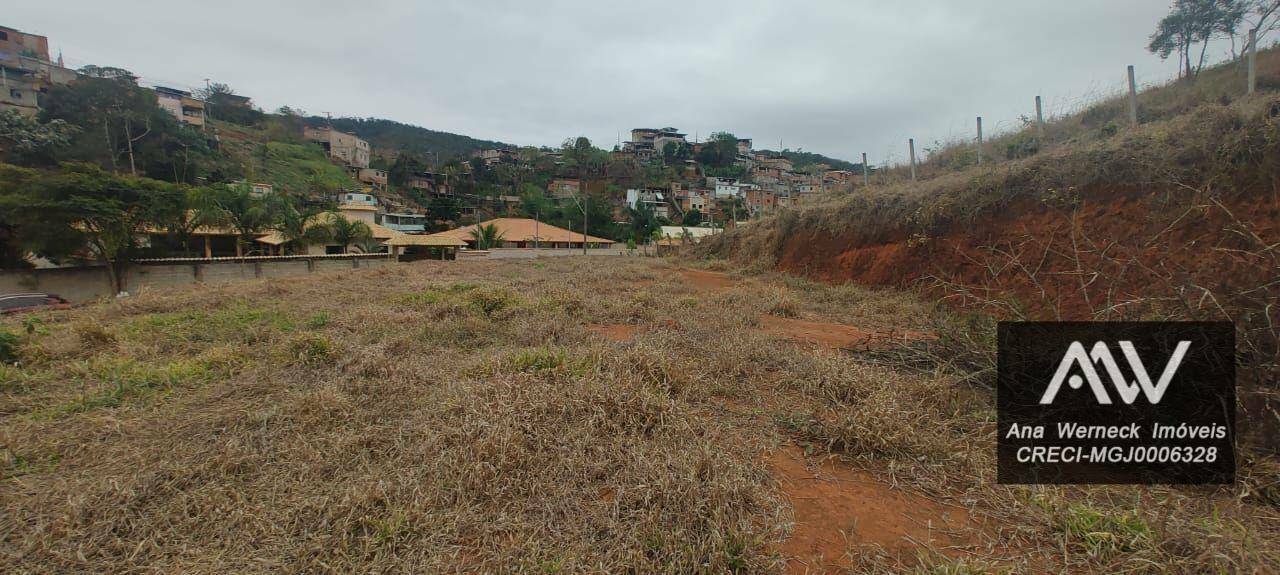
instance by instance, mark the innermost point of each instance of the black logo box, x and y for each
(1201, 393)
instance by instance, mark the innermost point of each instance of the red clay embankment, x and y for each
(1116, 247)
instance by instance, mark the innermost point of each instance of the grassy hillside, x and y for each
(283, 160)
(387, 136)
(1100, 121)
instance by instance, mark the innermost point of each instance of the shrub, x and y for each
(9, 343)
(493, 300)
(311, 349)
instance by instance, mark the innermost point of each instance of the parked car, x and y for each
(20, 302)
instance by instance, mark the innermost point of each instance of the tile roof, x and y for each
(524, 230)
(379, 232)
(421, 240)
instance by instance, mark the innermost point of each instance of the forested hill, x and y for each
(388, 135)
(800, 159)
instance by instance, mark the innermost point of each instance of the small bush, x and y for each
(540, 360)
(1023, 145)
(317, 321)
(94, 336)
(493, 300)
(311, 349)
(782, 304)
(1102, 533)
(9, 343)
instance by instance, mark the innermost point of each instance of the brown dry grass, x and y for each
(462, 417)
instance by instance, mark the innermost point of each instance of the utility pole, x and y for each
(1133, 99)
(911, 146)
(1039, 121)
(1253, 57)
(866, 176)
(979, 140)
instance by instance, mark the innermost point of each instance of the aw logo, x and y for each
(1086, 362)
(1115, 402)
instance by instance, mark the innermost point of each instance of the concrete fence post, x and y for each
(1253, 57)
(911, 147)
(1039, 120)
(1133, 98)
(866, 171)
(979, 140)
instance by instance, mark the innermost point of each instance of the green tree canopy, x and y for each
(720, 150)
(1192, 22)
(84, 211)
(122, 127)
(221, 103)
(29, 141)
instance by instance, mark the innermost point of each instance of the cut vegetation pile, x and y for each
(473, 417)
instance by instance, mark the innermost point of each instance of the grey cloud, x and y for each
(835, 77)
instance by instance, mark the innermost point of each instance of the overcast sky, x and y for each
(838, 77)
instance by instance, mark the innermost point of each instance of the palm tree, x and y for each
(301, 229)
(238, 208)
(345, 232)
(487, 236)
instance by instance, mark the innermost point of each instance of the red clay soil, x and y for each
(613, 331)
(834, 335)
(838, 509)
(1111, 230)
(707, 280)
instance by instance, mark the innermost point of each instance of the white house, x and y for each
(655, 199)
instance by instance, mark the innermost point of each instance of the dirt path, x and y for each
(834, 335)
(708, 280)
(837, 508)
(613, 331)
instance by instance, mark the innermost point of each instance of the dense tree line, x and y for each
(82, 212)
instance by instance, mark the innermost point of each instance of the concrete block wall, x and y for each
(75, 284)
(81, 284)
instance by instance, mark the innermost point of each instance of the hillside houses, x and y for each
(657, 199)
(27, 72)
(648, 143)
(429, 182)
(768, 181)
(373, 177)
(344, 147)
(495, 156)
(182, 104)
(563, 188)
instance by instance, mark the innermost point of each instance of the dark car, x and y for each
(19, 302)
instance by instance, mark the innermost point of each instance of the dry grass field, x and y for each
(565, 415)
